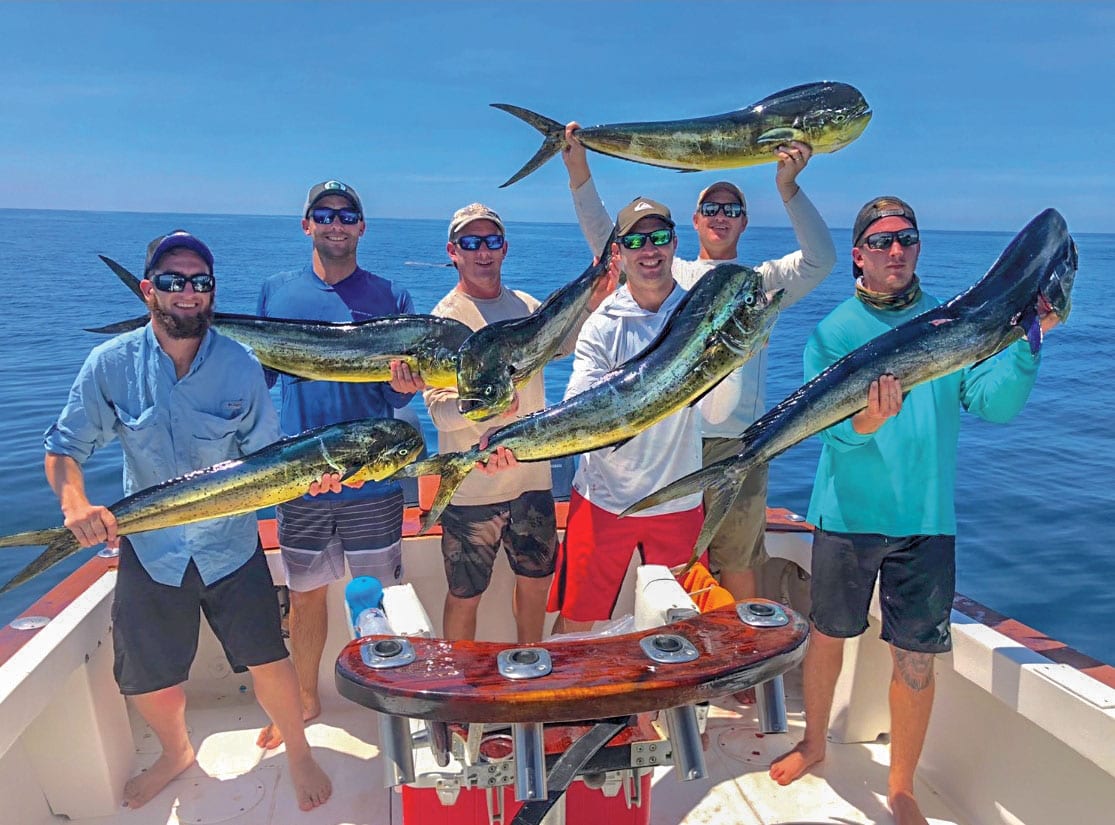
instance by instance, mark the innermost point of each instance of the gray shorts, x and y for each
(472, 536)
(740, 543)
(917, 583)
(316, 537)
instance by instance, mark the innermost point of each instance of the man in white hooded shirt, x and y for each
(720, 218)
(598, 543)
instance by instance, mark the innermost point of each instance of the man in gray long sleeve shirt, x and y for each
(720, 218)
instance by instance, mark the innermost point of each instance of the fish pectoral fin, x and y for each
(783, 134)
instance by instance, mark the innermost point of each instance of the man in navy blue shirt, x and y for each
(181, 397)
(361, 525)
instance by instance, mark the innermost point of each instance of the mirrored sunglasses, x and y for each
(637, 240)
(883, 240)
(324, 215)
(472, 242)
(731, 210)
(176, 282)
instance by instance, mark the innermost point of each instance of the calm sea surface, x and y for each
(1034, 497)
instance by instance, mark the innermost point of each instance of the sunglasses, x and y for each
(472, 242)
(324, 215)
(636, 240)
(176, 282)
(883, 240)
(731, 210)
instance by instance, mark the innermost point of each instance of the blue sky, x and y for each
(985, 113)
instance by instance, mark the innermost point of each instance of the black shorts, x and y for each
(155, 626)
(472, 536)
(917, 582)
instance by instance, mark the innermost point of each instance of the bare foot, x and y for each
(311, 785)
(792, 764)
(270, 737)
(144, 786)
(905, 809)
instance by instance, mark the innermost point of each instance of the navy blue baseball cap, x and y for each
(178, 239)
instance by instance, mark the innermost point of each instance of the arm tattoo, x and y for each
(916, 669)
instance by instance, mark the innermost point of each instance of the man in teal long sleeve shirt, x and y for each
(883, 498)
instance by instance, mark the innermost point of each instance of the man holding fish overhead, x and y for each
(512, 510)
(883, 499)
(364, 525)
(720, 218)
(181, 397)
(598, 544)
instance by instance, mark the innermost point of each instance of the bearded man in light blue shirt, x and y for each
(181, 397)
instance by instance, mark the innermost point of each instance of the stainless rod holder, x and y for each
(770, 702)
(397, 746)
(530, 761)
(689, 756)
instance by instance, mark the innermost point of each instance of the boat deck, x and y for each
(237, 783)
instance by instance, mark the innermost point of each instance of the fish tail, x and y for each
(130, 280)
(62, 544)
(696, 482)
(722, 494)
(34, 538)
(553, 139)
(452, 468)
(120, 326)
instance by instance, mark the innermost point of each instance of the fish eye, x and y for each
(488, 391)
(403, 451)
(838, 118)
(749, 299)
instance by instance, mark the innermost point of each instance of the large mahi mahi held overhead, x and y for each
(716, 327)
(359, 351)
(995, 312)
(370, 449)
(826, 115)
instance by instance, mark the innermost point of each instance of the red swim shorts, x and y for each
(596, 552)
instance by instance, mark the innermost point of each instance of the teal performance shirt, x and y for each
(901, 479)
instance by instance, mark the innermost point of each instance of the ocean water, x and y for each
(1034, 498)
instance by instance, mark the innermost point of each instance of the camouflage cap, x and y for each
(473, 212)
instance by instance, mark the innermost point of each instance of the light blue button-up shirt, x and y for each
(220, 410)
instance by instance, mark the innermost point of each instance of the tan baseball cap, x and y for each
(725, 185)
(637, 210)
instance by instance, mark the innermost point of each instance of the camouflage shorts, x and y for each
(472, 536)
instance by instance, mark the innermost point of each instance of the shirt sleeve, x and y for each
(801, 271)
(87, 422)
(591, 359)
(596, 224)
(997, 389)
(825, 347)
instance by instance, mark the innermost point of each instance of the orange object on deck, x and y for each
(706, 593)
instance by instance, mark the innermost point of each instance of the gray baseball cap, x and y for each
(331, 187)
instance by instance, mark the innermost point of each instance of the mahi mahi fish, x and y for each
(370, 449)
(359, 351)
(826, 115)
(496, 359)
(996, 311)
(716, 327)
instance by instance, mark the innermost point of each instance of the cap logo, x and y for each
(334, 184)
(641, 206)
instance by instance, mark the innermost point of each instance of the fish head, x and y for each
(829, 115)
(754, 312)
(387, 445)
(485, 379)
(1055, 285)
